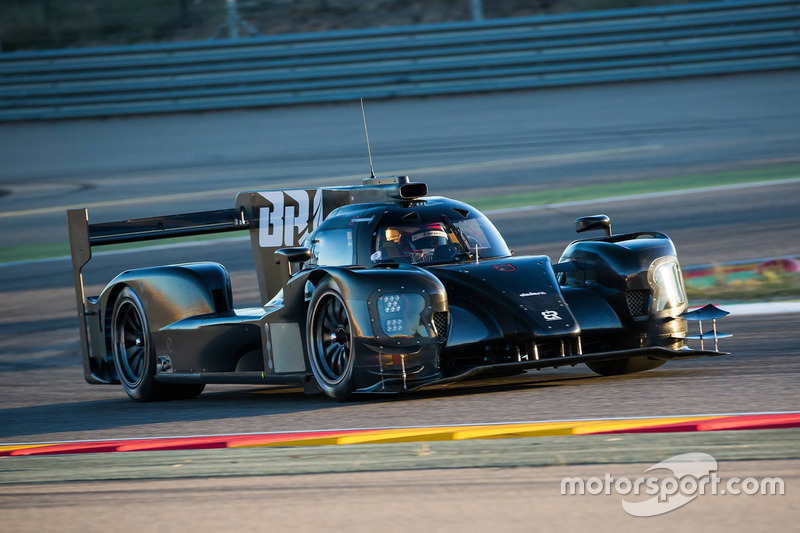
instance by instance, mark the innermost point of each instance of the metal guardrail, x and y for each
(607, 46)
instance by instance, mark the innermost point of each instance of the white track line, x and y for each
(342, 180)
(763, 308)
(643, 196)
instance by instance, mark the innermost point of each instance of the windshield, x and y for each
(417, 239)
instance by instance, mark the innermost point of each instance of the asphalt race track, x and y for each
(511, 499)
(466, 147)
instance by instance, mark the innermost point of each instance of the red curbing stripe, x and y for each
(751, 422)
(178, 443)
(207, 443)
(57, 449)
(745, 422)
(714, 423)
(116, 446)
(172, 443)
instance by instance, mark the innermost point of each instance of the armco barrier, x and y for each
(622, 45)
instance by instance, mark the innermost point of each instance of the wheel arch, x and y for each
(172, 292)
(108, 313)
(620, 269)
(356, 285)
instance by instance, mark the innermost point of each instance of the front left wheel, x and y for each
(330, 341)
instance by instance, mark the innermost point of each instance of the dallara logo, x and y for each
(288, 217)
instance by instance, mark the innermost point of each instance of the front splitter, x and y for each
(396, 385)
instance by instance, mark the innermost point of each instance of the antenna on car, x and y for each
(366, 134)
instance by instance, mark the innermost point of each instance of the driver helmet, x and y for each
(429, 237)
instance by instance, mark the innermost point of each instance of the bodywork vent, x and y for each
(638, 302)
(440, 321)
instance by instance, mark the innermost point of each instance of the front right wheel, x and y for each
(330, 341)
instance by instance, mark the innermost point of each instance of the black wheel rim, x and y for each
(130, 343)
(332, 338)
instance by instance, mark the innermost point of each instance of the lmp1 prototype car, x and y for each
(377, 288)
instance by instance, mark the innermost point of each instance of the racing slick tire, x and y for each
(625, 366)
(134, 356)
(330, 341)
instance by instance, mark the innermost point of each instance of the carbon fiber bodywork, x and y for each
(459, 314)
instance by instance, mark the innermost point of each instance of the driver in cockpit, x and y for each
(414, 244)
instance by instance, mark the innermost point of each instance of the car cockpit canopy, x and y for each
(434, 231)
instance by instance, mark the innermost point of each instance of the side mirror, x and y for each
(293, 255)
(593, 222)
(286, 256)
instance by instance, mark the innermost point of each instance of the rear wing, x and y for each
(84, 236)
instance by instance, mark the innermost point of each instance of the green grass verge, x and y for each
(29, 252)
(608, 190)
(767, 286)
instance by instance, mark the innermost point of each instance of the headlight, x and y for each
(400, 314)
(668, 289)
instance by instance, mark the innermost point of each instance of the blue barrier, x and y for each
(542, 51)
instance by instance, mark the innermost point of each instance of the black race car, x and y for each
(377, 288)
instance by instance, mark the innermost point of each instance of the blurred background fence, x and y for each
(48, 24)
(424, 59)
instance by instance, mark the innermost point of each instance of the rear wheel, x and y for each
(134, 356)
(330, 342)
(625, 366)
